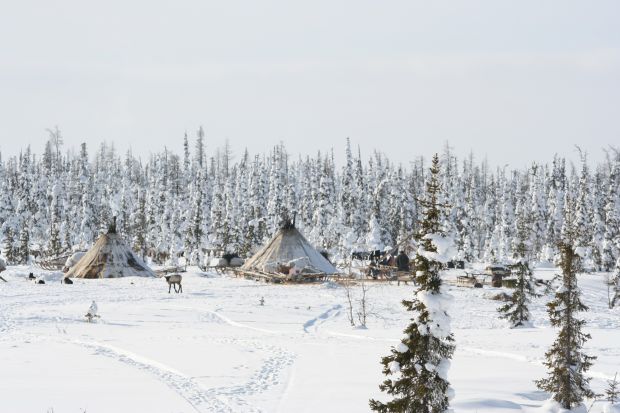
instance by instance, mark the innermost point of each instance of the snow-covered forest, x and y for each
(172, 205)
(208, 201)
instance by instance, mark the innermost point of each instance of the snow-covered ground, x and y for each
(214, 348)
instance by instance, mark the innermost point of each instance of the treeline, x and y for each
(203, 199)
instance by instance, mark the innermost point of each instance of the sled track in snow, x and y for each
(200, 399)
(222, 318)
(526, 359)
(6, 322)
(262, 380)
(323, 317)
(240, 325)
(361, 337)
(227, 399)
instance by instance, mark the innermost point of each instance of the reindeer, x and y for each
(173, 280)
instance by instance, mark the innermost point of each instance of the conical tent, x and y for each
(110, 257)
(289, 245)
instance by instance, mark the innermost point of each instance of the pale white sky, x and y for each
(513, 80)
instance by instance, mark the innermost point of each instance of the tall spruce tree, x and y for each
(610, 247)
(54, 246)
(23, 253)
(555, 200)
(420, 362)
(565, 361)
(139, 226)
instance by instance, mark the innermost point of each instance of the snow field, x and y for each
(215, 349)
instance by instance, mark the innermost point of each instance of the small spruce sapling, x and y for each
(612, 392)
(516, 310)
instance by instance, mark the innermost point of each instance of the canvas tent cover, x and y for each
(110, 258)
(288, 245)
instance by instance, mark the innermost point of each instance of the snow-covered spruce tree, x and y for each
(583, 216)
(218, 214)
(555, 201)
(322, 232)
(230, 238)
(598, 216)
(276, 206)
(242, 207)
(516, 310)
(538, 212)
(417, 367)
(195, 228)
(358, 219)
(54, 245)
(610, 248)
(348, 208)
(200, 148)
(139, 224)
(373, 238)
(565, 360)
(9, 250)
(23, 253)
(507, 218)
(616, 285)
